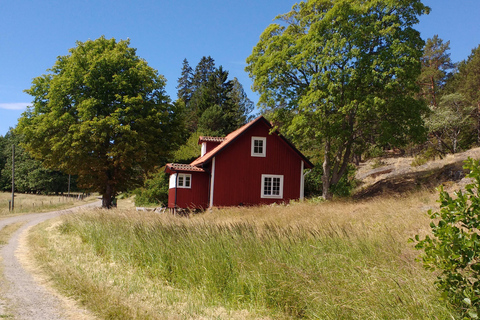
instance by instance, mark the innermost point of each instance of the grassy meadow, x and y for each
(29, 203)
(330, 260)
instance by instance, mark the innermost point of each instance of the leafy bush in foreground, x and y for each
(454, 246)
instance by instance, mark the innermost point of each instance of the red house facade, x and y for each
(250, 166)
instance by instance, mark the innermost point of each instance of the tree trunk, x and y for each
(107, 197)
(326, 172)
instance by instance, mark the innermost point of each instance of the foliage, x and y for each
(154, 190)
(342, 75)
(102, 114)
(3, 157)
(214, 105)
(467, 82)
(436, 64)
(449, 119)
(30, 175)
(343, 188)
(188, 151)
(454, 247)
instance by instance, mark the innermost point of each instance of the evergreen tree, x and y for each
(468, 84)
(214, 104)
(185, 83)
(436, 65)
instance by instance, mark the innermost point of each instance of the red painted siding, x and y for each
(238, 175)
(211, 145)
(194, 198)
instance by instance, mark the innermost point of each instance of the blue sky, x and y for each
(33, 33)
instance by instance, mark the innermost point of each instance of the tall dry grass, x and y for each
(333, 260)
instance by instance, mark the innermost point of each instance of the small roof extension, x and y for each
(180, 167)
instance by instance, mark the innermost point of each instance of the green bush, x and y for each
(154, 191)
(313, 182)
(454, 246)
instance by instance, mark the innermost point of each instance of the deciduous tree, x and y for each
(449, 119)
(100, 113)
(342, 74)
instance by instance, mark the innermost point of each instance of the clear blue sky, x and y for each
(33, 33)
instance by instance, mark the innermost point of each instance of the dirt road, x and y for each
(23, 296)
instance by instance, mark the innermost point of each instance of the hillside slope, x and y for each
(397, 175)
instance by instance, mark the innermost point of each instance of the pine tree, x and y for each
(185, 82)
(436, 64)
(468, 80)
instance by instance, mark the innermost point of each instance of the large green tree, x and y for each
(436, 67)
(101, 113)
(341, 74)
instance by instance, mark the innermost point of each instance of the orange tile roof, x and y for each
(210, 139)
(183, 167)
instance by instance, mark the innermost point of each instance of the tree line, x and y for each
(340, 79)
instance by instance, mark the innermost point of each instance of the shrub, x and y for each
(154, 191)
(454, 246)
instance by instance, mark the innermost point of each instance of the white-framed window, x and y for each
(183, 180)
(272, 186)
(259, 146)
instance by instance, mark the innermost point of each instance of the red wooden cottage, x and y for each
(249, 166)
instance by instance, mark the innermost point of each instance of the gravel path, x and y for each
(23, 297)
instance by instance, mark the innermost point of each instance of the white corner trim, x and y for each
(212, 183)
(204, 149)
(302, 181)
(173, 181)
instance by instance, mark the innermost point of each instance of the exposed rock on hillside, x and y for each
(397, 175)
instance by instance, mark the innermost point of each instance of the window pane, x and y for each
(180, 180)
(258, 146)
(267, 190)
(276, 187)
(187, 181)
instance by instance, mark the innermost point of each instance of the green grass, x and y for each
(341, 260)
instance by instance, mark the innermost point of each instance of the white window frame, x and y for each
(264, 185)
(182, 177)
(264, 147)
(176, 178)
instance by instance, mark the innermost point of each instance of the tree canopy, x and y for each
(467, 83)
(214, 104)
(342, 74)
(101, 113)
(436, 67)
